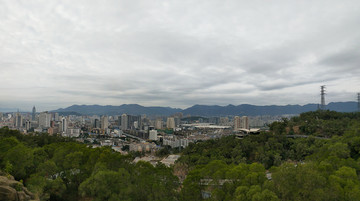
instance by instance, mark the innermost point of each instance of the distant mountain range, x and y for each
(8, 109)
(253, 110)
(204, 110)
(133, 109)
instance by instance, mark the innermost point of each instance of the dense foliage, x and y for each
(315, 156)
(56, 169)
(298, 167)
(266, 148)
(316, 123)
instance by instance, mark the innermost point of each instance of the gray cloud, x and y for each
(345, 60)
(177, 53)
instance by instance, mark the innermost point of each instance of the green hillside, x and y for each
(311, 157)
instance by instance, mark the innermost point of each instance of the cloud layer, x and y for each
(177, 53)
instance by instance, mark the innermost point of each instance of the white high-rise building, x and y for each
(245, 122)
(153, 135)
(44, 119)
(170, 123)
(27, 125)
(158, 124)
(104, 122)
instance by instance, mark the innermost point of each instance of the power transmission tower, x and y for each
(358, 102)
(322, 107)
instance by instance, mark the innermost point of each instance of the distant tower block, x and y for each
(33, 113)
(322, 106)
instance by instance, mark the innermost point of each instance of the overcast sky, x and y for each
(177, 53)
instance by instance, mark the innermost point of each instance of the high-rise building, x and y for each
(237, 123)
(56, 117)
(64, 124)
(179, 115)
(124, 122)
(241, 122)
(33, 114)
(153, 135)
(136, 124)
(18, 120)
(96, 123)
(27, 125)
(104, 122)
(44, 119)
(170, 123)
(158, 124)
(131, 119)
(245, 122)
(145, 122)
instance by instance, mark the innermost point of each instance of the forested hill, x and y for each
(253, 110)
(300, 168)
(204, 110)
(133, 109)
(56, 168)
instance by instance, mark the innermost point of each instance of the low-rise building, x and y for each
(170, 160)
(174, 141)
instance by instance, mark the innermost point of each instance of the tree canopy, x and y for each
(322, 164)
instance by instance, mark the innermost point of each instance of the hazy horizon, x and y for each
(39, 108)
(177, 53)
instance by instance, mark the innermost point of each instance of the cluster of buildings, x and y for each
(146, 134)
(51, 123)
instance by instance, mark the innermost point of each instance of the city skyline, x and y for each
(177, 54)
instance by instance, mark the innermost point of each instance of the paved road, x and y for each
(132, 136)
(290, 136)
